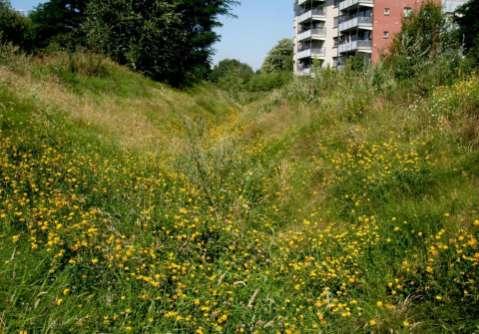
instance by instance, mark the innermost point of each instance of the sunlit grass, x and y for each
(126, 206)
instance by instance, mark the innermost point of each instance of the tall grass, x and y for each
(343, 203)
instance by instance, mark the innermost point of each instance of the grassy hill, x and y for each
(330, 205)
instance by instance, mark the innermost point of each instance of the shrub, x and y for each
(263, 82)
(357, 63)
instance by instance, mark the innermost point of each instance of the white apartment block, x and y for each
(315, 26)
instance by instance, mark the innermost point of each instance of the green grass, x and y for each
(127, 206)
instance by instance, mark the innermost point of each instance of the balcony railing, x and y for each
(349, 3)
(365, 22)
(316, 33)
(302, 2)
(312, 14)
(358, 45)
(311, 53)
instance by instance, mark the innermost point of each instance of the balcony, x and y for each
(313, 14)
(358, 46)
(318, 34)
(360, 22)
(302, 2)
(350, 3)
(311, 53)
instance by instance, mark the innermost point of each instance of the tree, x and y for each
(425, 36)
(168, 40)
(280, 58)
(14, 27)
(198, 19)
(60, 22)
(466, 18)
(229, 70)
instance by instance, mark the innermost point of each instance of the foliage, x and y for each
(426, 50)
(14, 28)
(244, 85)
(421, 34)
(357, 63)
(466, 17)
(279, 58)
(59, 22)
(128, 206)
(167, 40)
(231, 74)
(267, 81)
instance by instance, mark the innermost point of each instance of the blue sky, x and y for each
(249, 37)
(259, 26)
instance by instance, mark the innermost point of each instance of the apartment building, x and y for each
(327, 32)
(315, 31)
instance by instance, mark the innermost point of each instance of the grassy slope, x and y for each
(127, 206)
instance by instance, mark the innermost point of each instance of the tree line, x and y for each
(168, 40)
(171, 40)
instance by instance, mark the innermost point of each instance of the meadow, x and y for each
(339, 204)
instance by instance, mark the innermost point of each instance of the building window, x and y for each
(387, 11)
(386, 35)
(407, 11)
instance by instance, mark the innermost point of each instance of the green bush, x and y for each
(263, 82)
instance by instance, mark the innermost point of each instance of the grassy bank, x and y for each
(331, 205)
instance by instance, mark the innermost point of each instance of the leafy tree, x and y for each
(198, 19)
(467, 19)
(14, 27)
(280, 58)
(425, 37)
(60, 22)
(168, 40)
(231, 73)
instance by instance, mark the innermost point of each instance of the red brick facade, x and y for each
(388, 15)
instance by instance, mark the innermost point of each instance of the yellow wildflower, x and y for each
(223, 319)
